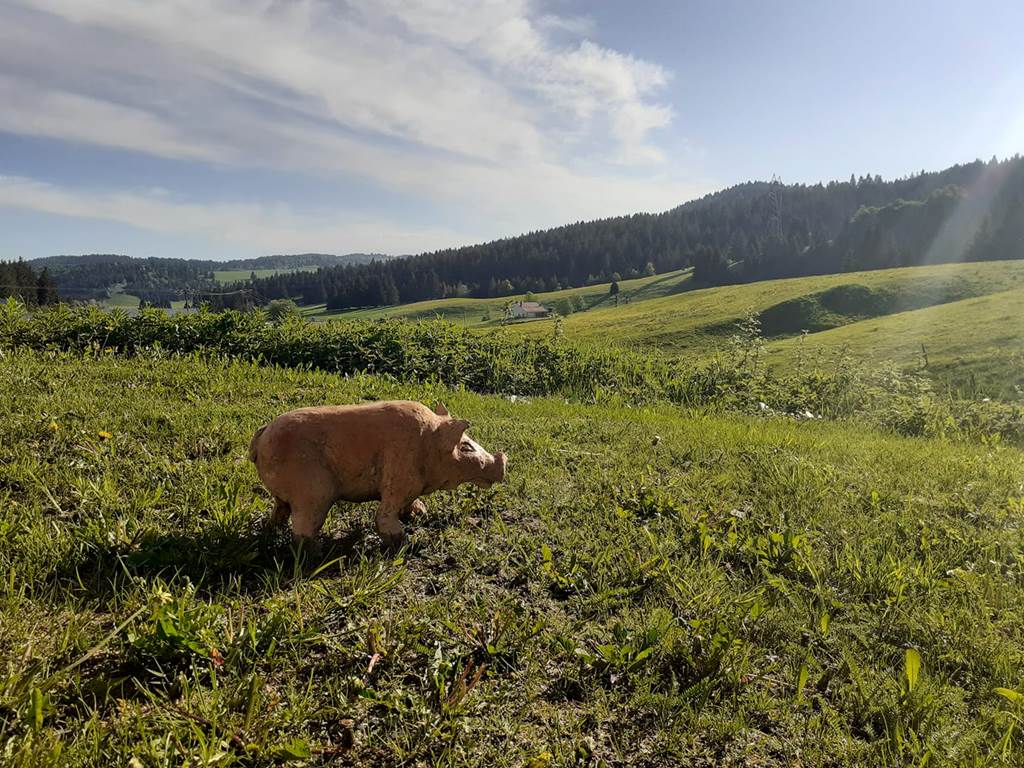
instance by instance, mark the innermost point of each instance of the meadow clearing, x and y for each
(235, 275)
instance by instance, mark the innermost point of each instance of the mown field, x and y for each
(651, 586)
(117, 299)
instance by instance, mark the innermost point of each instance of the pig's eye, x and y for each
(466, 448)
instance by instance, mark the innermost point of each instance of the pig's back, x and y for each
(349, 440)
(367, 421)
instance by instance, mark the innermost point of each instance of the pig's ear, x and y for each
(453, 430)
(441, 410)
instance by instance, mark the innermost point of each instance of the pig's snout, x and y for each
(500, 460)
(493, 472)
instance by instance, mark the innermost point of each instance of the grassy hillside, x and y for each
(118, 299)
(471, 312)
(697, 322)
(651, 586)
(976, 345)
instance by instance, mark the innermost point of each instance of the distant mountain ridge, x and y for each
(160, 281)
(276, 261)
(300, 260)
(753, 231)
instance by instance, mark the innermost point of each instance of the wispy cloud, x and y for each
(266, 228)
(502, 108)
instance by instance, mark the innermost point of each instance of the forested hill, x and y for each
(299, 261)
(751, 231)
(158, 280)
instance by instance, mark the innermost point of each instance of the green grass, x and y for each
(117, 299)
(234, 275)
(651, 586)
(471, 312)
(975, 345)
(501, 363)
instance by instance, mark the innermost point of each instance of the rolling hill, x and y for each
(694, 321)
(966, 314)
(974, 345)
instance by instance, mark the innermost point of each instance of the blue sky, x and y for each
(236, 128)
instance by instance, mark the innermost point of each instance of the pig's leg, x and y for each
(411, 510)
(308, 515)
(388, 519)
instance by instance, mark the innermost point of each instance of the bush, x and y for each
(280, 310)
(497, 363)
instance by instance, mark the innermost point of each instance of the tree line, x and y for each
(752, 231)
(981, 219)
(154, 280)
(158, 281)
(19, 280)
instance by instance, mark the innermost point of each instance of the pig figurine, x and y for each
(392, 452)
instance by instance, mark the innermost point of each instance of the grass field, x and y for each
(670, 313)
(651, 586)
(123, 300)
(120, 300)
(234, 275)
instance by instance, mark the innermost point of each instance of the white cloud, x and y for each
(58, 114)
(497, 109)
(270, 228)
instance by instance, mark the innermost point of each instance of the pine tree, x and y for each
(46, 289)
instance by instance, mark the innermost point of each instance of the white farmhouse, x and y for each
(522, 310)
